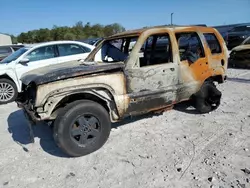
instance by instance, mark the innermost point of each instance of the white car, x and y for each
(35, 56)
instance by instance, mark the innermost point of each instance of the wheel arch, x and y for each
(101, 96)
(216, 78)
(9, 77)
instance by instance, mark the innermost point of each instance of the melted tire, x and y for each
(207, 98)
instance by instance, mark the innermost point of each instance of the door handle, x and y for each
(165, 70)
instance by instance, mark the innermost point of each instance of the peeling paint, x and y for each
(128, 88)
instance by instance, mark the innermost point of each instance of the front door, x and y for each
(152, 81)
(39, 57)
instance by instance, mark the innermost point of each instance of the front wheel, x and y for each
(82, 128)
(8, 91)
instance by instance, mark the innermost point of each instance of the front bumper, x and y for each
(29, 114)
(31, 119)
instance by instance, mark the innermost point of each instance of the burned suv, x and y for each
(127, 74)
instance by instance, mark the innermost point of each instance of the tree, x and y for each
(76, 32)
(69, 36)
(22, 38)
(42, 35)
(113, 29)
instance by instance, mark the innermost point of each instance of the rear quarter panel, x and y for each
(192, 76)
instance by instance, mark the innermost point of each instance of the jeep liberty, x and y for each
(127, 74)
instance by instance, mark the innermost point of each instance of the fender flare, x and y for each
(100, 95)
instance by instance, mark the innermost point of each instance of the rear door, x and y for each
(215, 49)
(70, 52)
(192, 56)
(151, 82)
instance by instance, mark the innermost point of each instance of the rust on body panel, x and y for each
(211, 66)
(188, 78)
(127, 88)
(56, 91)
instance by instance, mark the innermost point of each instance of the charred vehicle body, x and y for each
(127, 74)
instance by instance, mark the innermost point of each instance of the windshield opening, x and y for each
(14, 55)
(116, 50)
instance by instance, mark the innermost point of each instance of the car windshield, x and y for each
(14, 55)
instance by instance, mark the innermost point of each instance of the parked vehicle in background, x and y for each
(162, 67)
(6, 50)
(32, 57)
(240, 55)
(237, 35)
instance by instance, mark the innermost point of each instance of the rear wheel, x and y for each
(8, 91)
(82, 128)
(207, 98)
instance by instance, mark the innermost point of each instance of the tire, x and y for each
(81, 128)
(207, 98)
(8, 91)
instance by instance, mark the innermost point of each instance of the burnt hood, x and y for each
(68, 70)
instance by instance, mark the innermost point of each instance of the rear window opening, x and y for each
(190, 46)
(213, 43)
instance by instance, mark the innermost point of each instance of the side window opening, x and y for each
(190, 46)
(156, 50)
(213, 43)
(42, 53)
(71, 49)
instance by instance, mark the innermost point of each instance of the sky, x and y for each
(18, 16)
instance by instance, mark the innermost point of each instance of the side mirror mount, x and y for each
(24, 61)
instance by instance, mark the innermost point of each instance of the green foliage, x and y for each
(76, 32)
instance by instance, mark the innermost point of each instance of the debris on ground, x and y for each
(139, 153)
